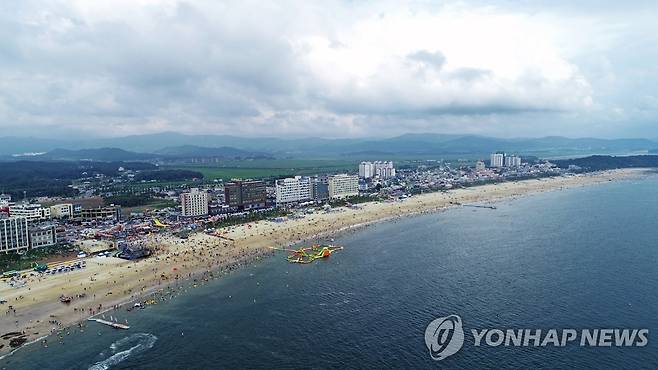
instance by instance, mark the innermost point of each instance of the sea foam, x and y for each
(136, 343)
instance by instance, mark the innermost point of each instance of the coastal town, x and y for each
(76, 257)
(458, 184)
(89, 226)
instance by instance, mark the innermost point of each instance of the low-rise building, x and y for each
(93, 246)
(33, 212)
(107, 213)
(64, 210)
(343, 186)
(43, 236)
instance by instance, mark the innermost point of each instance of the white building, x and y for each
(479, 166)
(512, 161)
(194, 203)
(33, 212)
(366, 170)
(43, 236)
(293, 189)
(14, 234)
(497, 159)
(64, 210)
(382, 169)
(342, 186)
(5, 199)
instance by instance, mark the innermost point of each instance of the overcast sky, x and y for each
(329, 68)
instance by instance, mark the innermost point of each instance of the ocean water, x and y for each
(576, 258)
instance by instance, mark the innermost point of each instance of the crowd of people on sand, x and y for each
(196, 260)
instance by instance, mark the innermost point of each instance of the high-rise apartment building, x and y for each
(381, 169)
(384, 169)
(366, 170)
(497, 159)
(512, 161)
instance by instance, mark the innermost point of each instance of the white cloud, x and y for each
(491, 63)
(310, 68)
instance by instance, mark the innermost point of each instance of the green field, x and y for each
(264, 168)
(155, 205)
(15, 261)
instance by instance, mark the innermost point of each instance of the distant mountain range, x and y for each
(100, 154)
(192, 151)
(140, 147)
(165, 154)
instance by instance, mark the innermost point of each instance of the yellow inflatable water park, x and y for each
(309, 254)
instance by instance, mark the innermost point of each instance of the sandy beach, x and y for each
(106, 283)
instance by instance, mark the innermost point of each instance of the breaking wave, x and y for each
(124, 348)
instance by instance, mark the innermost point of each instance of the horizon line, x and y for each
(294, 137)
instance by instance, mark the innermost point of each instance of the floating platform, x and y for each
(112, 324)
(309, 254)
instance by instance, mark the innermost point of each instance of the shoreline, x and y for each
(183, 261)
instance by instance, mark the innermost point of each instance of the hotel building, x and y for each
(245, 195)
(14, 234)
(194, 203)
(343, 186)
(293, 189)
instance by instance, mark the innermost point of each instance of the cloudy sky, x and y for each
(329, 68)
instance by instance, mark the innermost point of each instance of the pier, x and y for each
(112, 324)
(478, 206)
(473, 205)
